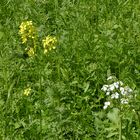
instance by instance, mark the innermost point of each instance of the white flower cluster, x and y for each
(117, 91)
(106, 105)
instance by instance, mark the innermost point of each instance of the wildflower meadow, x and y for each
(69, 70)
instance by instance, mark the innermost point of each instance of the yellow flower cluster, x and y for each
(27, 91)
(31, 52)
(27, 30)
(28, 35)
(49, 43)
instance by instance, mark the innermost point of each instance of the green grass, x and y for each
(96, 39)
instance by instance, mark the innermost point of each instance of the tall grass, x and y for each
(96, 39)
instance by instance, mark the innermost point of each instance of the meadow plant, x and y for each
(117, 93)
(118, 96)
(29, 37)
(28, 34)
(27, 91)
(49, 43)
(48, 94)
(27, 30)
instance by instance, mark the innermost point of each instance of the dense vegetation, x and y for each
(61, 95)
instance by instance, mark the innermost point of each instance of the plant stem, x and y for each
(120, 128)
(138, 124)
(40, 86)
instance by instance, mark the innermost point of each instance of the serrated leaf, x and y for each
(114, 115)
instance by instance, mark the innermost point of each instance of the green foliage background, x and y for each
(96, 38)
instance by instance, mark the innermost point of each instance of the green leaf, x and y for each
(114, 115)
(112, 134)
(86, 86)
(1, 34)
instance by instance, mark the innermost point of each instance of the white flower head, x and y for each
(125, 92)
(111, 87)
(107, 93)
(112, 96)
(122, 90)
(128, 89)
(104, 88)
(124, 101)
(106, 104)
(115, 95)
(116, 85)
(105, 107)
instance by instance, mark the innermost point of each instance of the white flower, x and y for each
(128, 89)
(116, 84)
(107, 93)
(115, 95)
(125, 92)
(111, 87)
(104, 88)
(112, 96)
(124, 101)
(105, 107)
(106, 104)
(109, 78)
(122, 90)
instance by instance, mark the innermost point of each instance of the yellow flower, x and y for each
(24, 39)
(45, 51)
(49, 43)
(27, 91)
(31, 52)
(27, 30)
